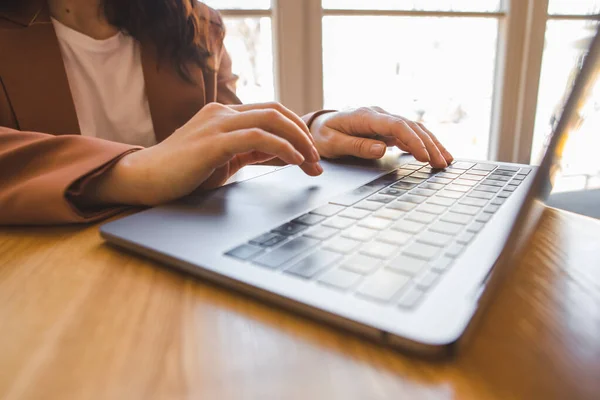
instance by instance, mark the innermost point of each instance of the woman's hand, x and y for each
(206, 151)
(365, 132)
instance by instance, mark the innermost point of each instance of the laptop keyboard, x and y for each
(391, 240)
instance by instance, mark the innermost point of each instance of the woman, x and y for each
(106, 103)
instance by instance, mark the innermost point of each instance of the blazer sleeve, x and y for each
(42, 176)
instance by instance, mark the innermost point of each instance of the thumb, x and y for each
(359, 147)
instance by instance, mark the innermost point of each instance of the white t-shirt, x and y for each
(107, 85)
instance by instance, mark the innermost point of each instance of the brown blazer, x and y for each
(44, 161)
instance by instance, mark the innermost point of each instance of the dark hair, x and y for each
(183, 31)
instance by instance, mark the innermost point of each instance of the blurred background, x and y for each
(488, 77)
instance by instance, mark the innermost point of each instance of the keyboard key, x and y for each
(462, 165)
(442, 264)
(471, 201)
(510, 189)
(383, 285)
(451, 194)
(487, 188)
(340, 278)
(401, 205)
(458, 188)
(412, 180)
(358, 233)
(394, 237)
(475, 227)
(422, 217)
(432, 186)
(423, 192)
(455, 250)
(403, 185)
(464, 182)
(434, 238)
(525, 171)
(465, 209)
(427, 280)
(503, 172)
(410, 299)
(498, 178)
(413, 199)
(338, 222)
(481, 195)
(342, 245)
(313, 264)
(423, 251)
(484, 167)
(490, 182)
(286, 252)
(441, 181)
(420, 175)
(379, 250)
(447, 175)
(380, 198)
(408, 226)
(407, 265)
(375, 223)
(411, 167)
(309, 219)
(431, 209)
(290, 228)
(456, 218)
(321, 232)
(328, 210)
(389, 213)
(471, 177)
(508, 169)
(504, 194)
(498, 201)
(441, 201)
(354, 213)
(483, 217)
(491, 209)
(361, 264)
(353, 197)
(268, 239)
(244, 252)
(369, 205)
(477, 172)
(465, 238)
(446, 227)
(393, 192)
(520, 177)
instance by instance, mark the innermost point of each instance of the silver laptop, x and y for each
(393, 250)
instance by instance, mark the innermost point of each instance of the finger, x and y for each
(359, 147)
(273, 121)
(367, 121)
(247, 140)
(437, 160)
(312, 169)
(279, 107)
(449, 158)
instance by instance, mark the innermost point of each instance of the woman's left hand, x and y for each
(367, 131)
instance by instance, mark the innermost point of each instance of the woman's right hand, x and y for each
(205, 152)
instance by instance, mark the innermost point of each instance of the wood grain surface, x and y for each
(82, 320)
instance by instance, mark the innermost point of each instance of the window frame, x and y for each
(298, 62)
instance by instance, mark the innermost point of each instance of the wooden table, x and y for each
(80, 319)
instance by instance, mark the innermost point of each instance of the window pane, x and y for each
(566, 44)
(574, 7)
(433, 70)
(238, 4)
(250, 45)
(426, 5)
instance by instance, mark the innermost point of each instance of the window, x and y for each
(569, 31)
(249, 40)
(487, 76)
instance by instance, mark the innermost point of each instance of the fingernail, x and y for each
(377, 149)
(299, 159)
(319, 168)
